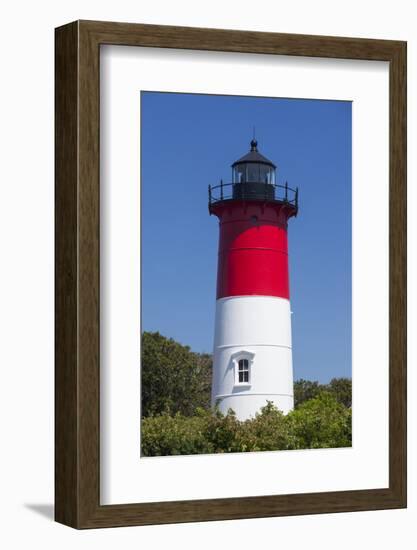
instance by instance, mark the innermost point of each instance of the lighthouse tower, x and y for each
(252, 361)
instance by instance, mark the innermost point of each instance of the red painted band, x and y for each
(253, 249)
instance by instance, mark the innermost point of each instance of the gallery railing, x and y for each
(253, 191)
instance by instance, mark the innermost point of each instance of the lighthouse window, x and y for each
(243, 371)
(239, 173)
(266, 174)
(253, 172)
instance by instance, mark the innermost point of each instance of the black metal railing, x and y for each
(253, 191)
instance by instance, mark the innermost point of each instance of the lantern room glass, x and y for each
(253, 172)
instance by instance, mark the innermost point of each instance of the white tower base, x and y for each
(253, 335)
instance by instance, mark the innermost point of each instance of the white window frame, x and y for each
(249, 356)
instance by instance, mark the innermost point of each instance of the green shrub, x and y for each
(174, 435)
(268, 431)
(320, 422)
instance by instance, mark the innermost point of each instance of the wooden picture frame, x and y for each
(77, 382)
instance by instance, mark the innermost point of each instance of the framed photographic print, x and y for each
(230, 274)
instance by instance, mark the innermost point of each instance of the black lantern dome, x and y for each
(253, 179)
(253, 175)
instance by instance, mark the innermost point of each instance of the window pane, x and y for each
(237, 174)
(243, 364)
(243, 371)
(253, 172)
(264, 173)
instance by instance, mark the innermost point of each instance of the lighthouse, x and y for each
(252, 358)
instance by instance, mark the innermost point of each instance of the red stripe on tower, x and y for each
(253, 249)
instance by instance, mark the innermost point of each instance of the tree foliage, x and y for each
(321, 422)
(304, 390)
(174, 379)
(340, 388)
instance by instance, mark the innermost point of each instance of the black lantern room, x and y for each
(253, 176)
(253, 179)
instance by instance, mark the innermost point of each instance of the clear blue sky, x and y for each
(188, 142)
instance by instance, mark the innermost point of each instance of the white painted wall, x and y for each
(26, 289)
(261, 327)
